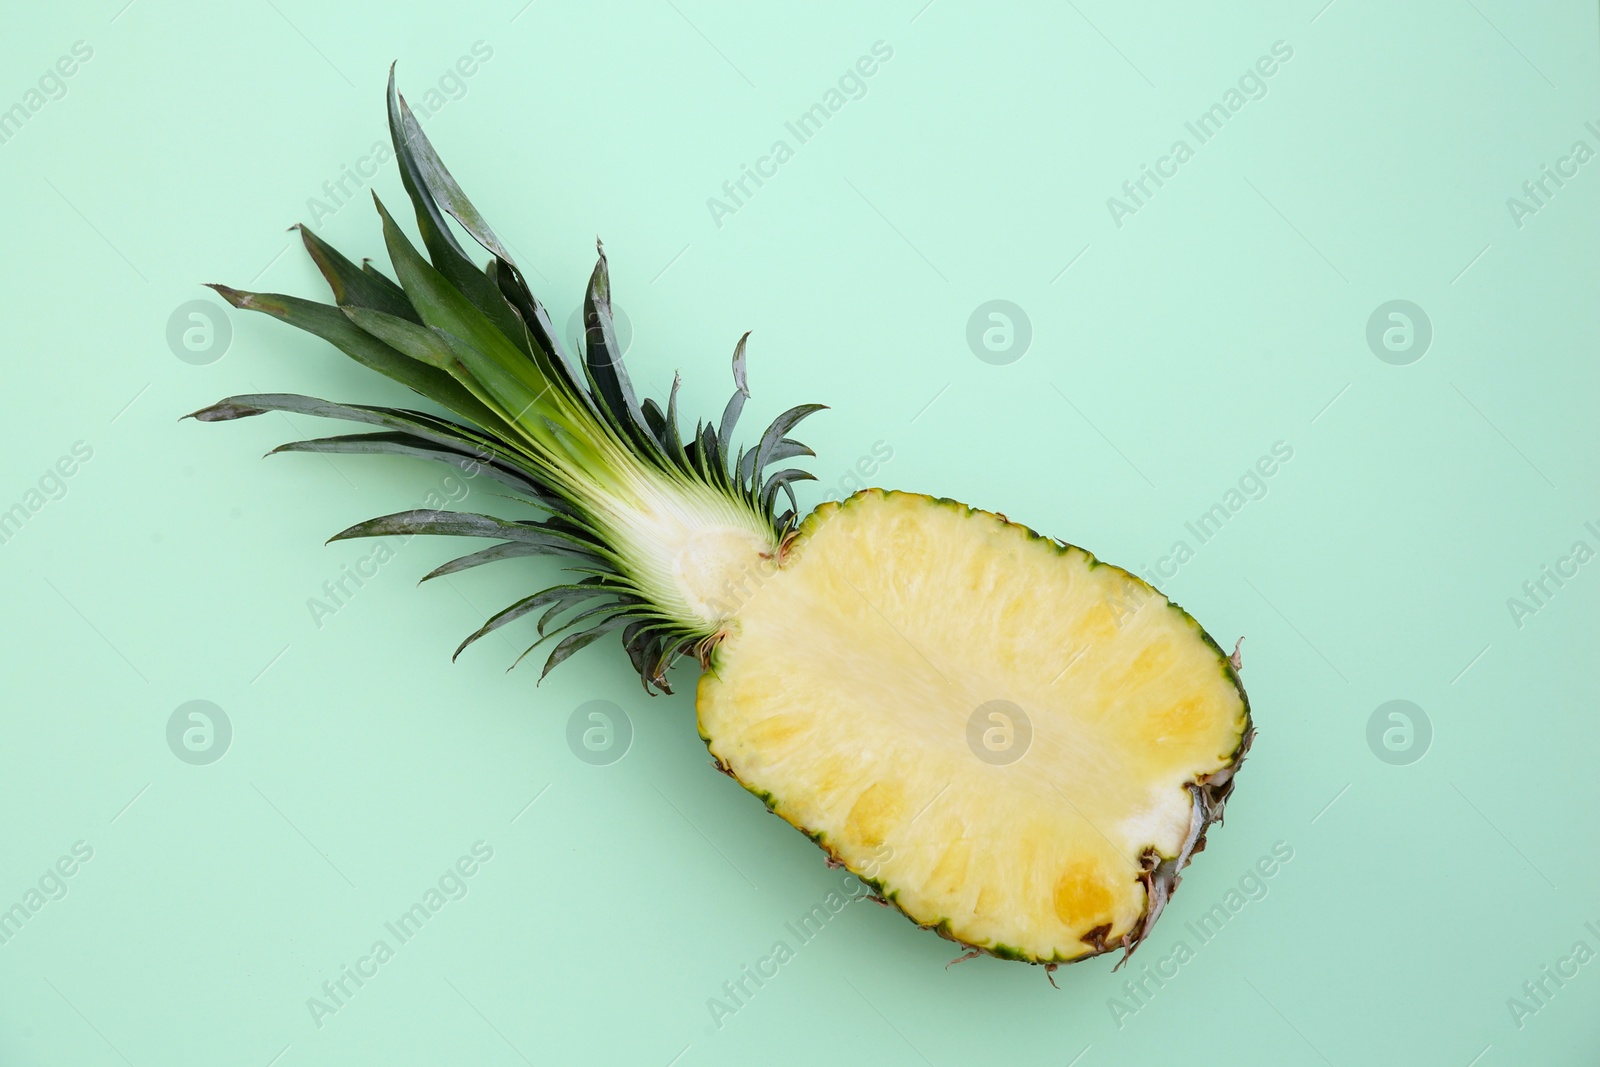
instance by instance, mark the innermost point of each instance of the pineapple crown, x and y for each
(477, 342)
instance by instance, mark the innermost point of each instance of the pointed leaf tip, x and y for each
(237, 297)
(740, 374)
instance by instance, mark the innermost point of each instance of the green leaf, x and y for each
(518, 385)
(708, 457)
(408, 338)
(784, 480)
(509, 550)
(654, 420)
(650, 645)
(674, 440)
(541, 332)
(449, 258)
(429, 345)
(331, 325)
(582, 616)
(431, 427)
(730, 414)
(470, 524)
(788, 448)
(383, 280)
(775, 433)
(430, 220)
(603, 359)
(588, 589)
(406, 444)
(351, 284)
(571, 644)
(424, 166)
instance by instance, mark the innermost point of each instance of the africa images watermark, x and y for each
(49, 87)
(851, 85)
(337, 592)
(51, 485)
(1252, 85)
(452, 884)
(1252, 485)
(354, 177)
(869, 464)
(737, 992)
(1538, 591)
(50, 886)
(1139, 990)
(1537, 992)
(1537, 192)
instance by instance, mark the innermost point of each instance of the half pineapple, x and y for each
(1017, 745)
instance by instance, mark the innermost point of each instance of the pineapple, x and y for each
(1015, 744)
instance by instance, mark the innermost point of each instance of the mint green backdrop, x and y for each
(1352, 328)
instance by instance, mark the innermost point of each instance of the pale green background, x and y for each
(1224, 316)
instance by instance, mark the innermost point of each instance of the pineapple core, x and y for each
(718, 567)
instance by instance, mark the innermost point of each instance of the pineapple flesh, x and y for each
(1017, 745)
(847, 686)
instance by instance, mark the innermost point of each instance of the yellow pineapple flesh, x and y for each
(1004, 735)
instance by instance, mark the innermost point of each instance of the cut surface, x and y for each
(999, 731)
